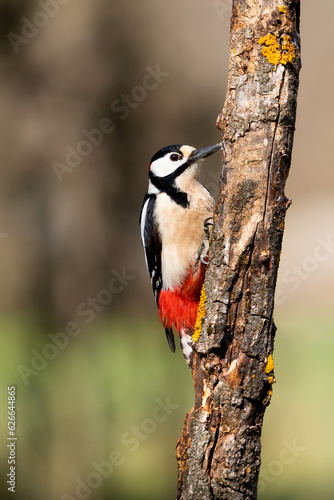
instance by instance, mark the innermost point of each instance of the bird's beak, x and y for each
(201, 154)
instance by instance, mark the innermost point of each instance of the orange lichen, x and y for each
(282, 9)
(288, 50)
(270, 364)
(275, 53)
(270, 49)
(200, 316)
(270, 380)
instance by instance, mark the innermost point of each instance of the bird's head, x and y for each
(172, 163)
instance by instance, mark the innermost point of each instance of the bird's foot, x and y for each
(203, 251)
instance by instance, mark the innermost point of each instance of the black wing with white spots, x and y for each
(152, 246)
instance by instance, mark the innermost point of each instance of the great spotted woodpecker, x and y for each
(172, 219)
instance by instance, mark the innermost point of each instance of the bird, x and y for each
(174, 224)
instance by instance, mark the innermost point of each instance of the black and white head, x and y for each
(172, 164)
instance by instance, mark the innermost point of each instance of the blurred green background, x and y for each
(99, 412)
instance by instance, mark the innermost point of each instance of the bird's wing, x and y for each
(152, 244)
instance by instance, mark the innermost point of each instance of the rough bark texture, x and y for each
(219, 450)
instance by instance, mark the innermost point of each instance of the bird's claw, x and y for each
(206, 225)
(202, 254)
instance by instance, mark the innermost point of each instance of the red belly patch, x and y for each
(178, 307)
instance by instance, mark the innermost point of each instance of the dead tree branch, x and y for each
(219, 449)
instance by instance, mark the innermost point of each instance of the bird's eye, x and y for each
(175, 157)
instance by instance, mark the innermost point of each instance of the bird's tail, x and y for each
(170, 338)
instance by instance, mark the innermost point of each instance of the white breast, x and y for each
(181, 231)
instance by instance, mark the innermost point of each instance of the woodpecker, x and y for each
(173, 218)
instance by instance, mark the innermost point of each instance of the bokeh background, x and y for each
(99, 411)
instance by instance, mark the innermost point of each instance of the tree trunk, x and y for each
(219, 450)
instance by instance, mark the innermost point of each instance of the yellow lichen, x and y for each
(288, 50)
(200, 316)
(276, 54)
(270, 364)
(270, 380)
(282, 9)
(270, 49)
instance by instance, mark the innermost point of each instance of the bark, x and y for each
(219, 450)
